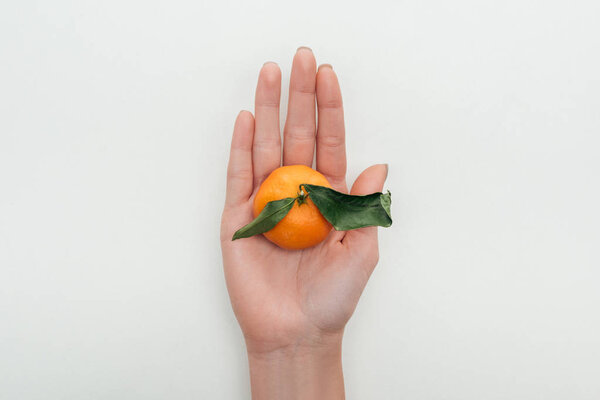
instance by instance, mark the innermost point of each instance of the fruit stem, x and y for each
(301, 198)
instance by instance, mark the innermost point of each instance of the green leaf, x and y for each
(273, 212)
(346, 212)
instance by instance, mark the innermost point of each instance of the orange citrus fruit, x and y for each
(303, 226)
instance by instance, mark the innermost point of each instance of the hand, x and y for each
(292, 306)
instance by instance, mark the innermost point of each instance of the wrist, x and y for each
(303, 370)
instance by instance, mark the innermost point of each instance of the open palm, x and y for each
(283, 297)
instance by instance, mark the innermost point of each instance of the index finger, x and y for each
(331, 136)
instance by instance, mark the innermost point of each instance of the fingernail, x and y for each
(269, 62)
(387, 169)
(303, 48)
(325, 66)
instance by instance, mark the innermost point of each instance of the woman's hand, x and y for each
(292, 306)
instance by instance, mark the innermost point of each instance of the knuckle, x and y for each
(304, 89)
(267, 103)
(332, 141)
(300, 133)
(239, 173)
(330, 104)
(266, 142)
(338, 180)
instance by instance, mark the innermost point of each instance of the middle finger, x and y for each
(300, 126)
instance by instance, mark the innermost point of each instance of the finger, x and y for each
(266, 151)
(239, 170)
(371, 180)
(300, 126)
(362, 243)
(331, 142)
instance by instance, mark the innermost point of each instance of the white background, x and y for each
(115, 121)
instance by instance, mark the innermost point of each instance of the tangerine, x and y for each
(303, 226)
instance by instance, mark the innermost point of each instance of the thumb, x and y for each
(363, 242)
(371, 180)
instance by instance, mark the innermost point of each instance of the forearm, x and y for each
(298, 373)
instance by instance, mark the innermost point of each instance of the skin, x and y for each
(292, 306)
